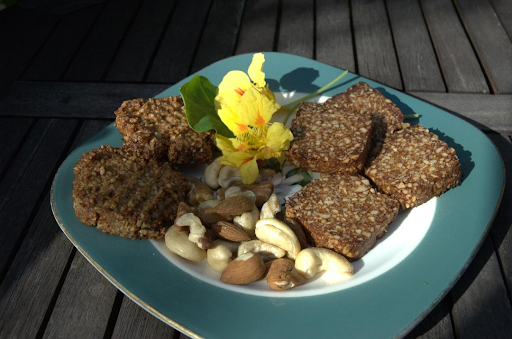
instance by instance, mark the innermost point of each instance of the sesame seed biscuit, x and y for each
(158, 129)
(414, 166)
(361, 97)
(123, 195)
(342, 213)
(329, 140)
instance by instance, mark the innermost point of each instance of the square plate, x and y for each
(388, 305)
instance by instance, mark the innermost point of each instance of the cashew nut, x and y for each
(211, 173)
(178, 243)
(235, 191)
(218, 257)
(229, 176)
(197, 230)
(265, 250)
(270, 208)
(248, 221)
(277, 233)
(312, 260)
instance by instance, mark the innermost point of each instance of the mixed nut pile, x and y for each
(240, 230)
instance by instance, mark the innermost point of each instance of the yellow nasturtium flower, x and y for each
(255, 139)
(236, 83)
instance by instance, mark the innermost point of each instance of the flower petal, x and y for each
(246, 162)
(233, 86)
(256, 70)
(256, 109)
(230, 116)
(278, 137)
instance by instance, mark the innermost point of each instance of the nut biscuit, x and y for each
(361, 97)
(158, 129)
(342, 213)
(414, 166)
(329, 140)
(123, 195)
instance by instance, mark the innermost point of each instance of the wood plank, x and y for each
(334, 34)
(99, 48)
(184, 31)
(501, 230)
(481, 307)
(22, 160)
(437, 325)
(54, 57)
(491, 42)
(487, 112)
(35, 273)
(375, 52)
(418, 63)
(258, 27)
(12, 133)
(458, 62)
(72, 100)
(23, 33)
(31, 185)
(84, 304)
(218, 40)
(503, 9)
(134, 322)
(27, 293)
(297, 28)
(137, 49)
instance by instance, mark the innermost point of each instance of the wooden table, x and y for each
(64, 69)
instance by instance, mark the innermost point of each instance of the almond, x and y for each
(234, 206)
(229, 231)
(262, 191)
(245, 269)
(208, 216)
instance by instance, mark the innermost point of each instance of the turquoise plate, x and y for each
(388, 305)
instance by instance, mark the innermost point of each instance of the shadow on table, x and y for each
(301, 80)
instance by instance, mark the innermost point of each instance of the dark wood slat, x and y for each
(481, 306)
(333, 34)
(29, 292)
(32, 182)
(58, 51)
(487, 112)
(218, 40)
(135, 322)
(501, 231)
(35, 273)
(185, 31)
(297, 28)
(137, 49)
(503, 9)
(22, 160)
(458, 62)
(68, 100)
(418, 64)
(84, 303)
(490, 40)
(437, 325)
(99, 48)
(376, 57)
(12, 133)
(23, 33)
(258, 27)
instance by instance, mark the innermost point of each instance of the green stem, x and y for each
(290, 112)
(411, 116)
(315, 93)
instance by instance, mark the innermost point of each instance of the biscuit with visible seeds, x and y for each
(343, 213)
(158, 129)
(122, 194)
(413, 166)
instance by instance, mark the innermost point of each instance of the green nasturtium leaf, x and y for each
(199, 98)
